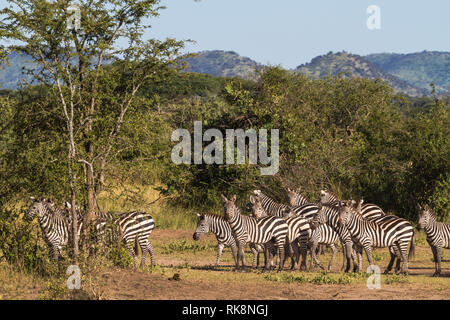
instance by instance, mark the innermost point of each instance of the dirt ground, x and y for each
(185, 270)
(199, 279)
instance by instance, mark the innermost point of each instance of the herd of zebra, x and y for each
(56, 225)
(293, 230)
(277, 229)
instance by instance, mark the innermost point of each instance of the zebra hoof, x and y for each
(436, 274)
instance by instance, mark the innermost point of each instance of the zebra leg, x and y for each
(347, 253)
(313, 247)
(131, 251)
(234, 252)
(295, 255)
(255, 251)
(334, 251)
(404, 256)
(358, 251)
(437, 259)
(281, 256)
(303, 250)
(268, 257)
(391, 262)
(151, 251)
(219, 252)
(368, 251)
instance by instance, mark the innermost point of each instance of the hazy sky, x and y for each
(292, 32)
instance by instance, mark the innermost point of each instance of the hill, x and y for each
(223, 64)
(419, 69)
(347, 64)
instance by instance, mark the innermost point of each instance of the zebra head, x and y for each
(358, 207)
(202, 227)
(257, 208)
(320, 217)
(326, 196)
(231, 210)
(295, 197)
(425, 216)
(346, 210)
(39, 207)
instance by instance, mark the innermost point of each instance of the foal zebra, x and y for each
(438, 234)
(387, 231)
(259, 231)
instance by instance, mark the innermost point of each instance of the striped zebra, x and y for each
(438, 234)
(328, 215)
(388, 231)
(296, 227)
(272, 207)
(222, 230)
(368, 211)
(296, 198)
(56, 226)
(259, 231)
(276, 209)
(323, 235)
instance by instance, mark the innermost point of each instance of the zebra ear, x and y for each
(68, 205)
(224, 198)
(252, 200)
(288, 189)
(233, 198)
(418, 207)
(199, 215)
(32, 198)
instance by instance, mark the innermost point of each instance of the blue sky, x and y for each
(292, 32)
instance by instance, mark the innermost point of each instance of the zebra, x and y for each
(368, 211)
(276, 209)
(272, 207)
(296, 227)
(216, 224)
(56, 226)
(296, 198)
(329, 215)
(133, 227)
(323, 234)
(220, 228)
(438, 234)
(248, 229)
(388, 231)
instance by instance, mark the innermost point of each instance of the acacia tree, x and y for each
(72, 45)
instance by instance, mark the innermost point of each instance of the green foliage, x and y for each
(120, 257)
(183, 245)
(21, 245)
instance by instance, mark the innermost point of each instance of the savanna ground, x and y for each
(185, 270)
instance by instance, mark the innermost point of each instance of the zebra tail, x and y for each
(412, 249)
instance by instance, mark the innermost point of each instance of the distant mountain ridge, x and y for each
(352, 65)
(223, 64)
(408, 73)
